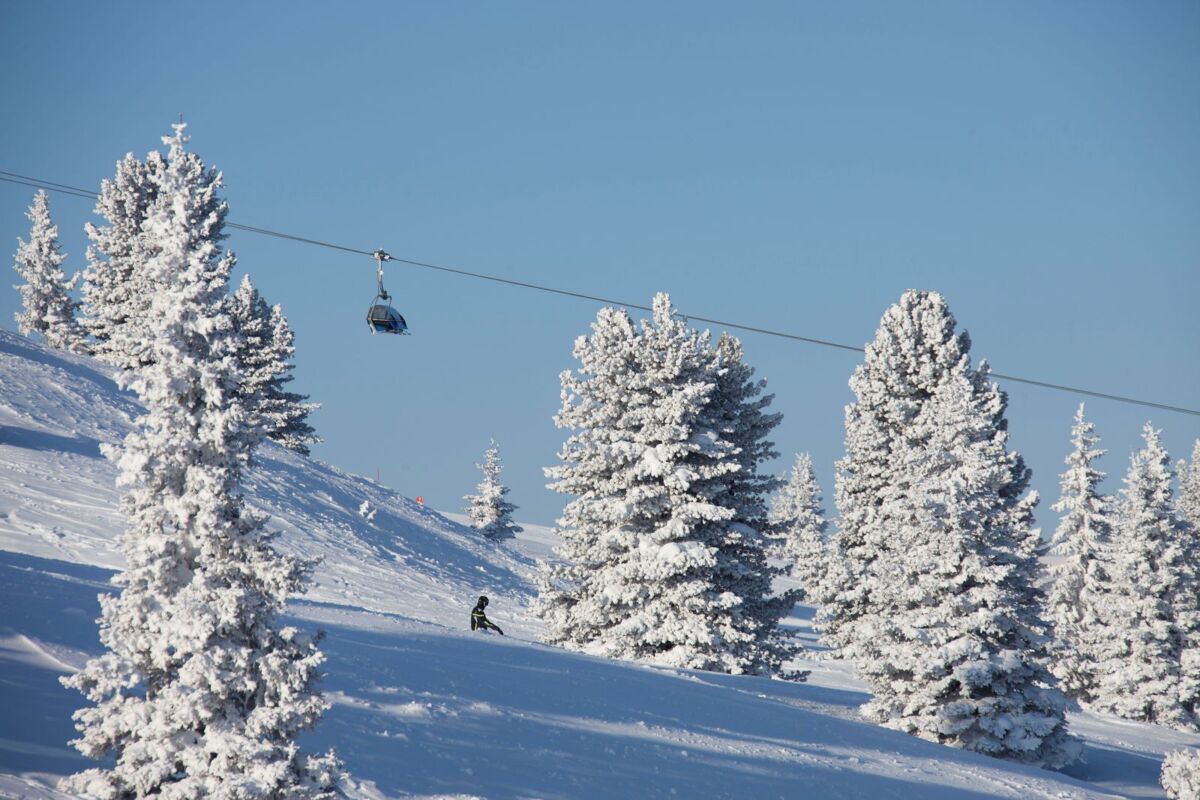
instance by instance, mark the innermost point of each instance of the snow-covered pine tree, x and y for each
(800, 523)
(287, 411)
(1187, 509)
(958, 637)
(47, 307)
(916, 349)
(738, 411)
(115, 292)
(490, 513)
(741, 408)
(1180, 775)
(200, 693)
(1075, 604)
(251, 319)
(1152, 605)
(655, 537)
(1188, 504)
(265, 362)
(598, 403)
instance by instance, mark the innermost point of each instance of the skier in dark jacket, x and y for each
(479, 620)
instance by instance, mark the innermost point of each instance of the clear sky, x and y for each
(789, 165)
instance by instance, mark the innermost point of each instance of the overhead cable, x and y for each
(75, 191)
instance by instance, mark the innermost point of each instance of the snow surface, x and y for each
(422, 707)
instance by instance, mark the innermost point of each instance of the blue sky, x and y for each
(788, 165)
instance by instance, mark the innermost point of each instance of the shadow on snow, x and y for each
(427, 710)
(38, 440)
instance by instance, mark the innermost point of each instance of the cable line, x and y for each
(75, 191)
(294, 238)
(40, 184)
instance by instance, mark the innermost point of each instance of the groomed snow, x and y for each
(422, 707)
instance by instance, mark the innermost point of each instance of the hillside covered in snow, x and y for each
(421, 706)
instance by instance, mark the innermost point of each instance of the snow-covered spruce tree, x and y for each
(47, 307)
(800, 523)
(1180, 775)
(958, 635)
(1188, 504)
(115, 293)
(1187, 509)
(490, 513)
(659, 559)
(598, 404)
(265, 361)
(1151, 608)
(288, 411)
(737, 410)
(916, 349)
(1076, 601)
(200, 692)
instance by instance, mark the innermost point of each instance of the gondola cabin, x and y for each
(382, 318)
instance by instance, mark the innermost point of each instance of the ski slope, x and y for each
(420, 706)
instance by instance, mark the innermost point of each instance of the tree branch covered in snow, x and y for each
(1181, 775)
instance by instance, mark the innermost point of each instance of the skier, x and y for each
(479, 620)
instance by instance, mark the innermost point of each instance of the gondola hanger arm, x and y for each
(380, 257)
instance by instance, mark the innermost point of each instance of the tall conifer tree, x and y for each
(46, 305)
(1188, 505)
(956, 624)
(1077, 599)
(916, 349)
(932, 571)
(739, 410)
(1152, 608)
(115, 290)
(265, 360)
(1187, 509)
(800, 523)
(201, 692)
(490, 512)
(660, 557)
